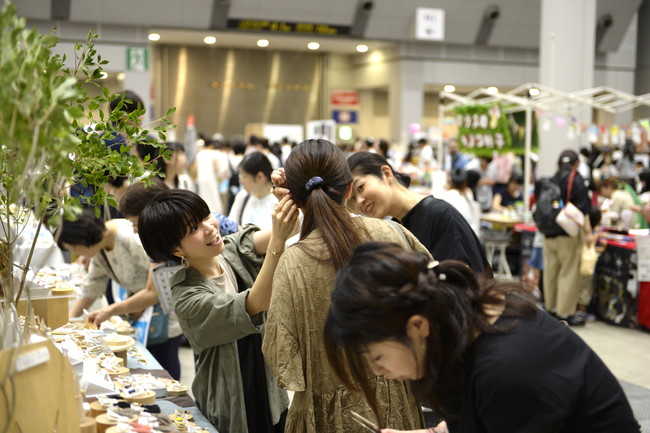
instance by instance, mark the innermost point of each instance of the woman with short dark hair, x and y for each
(478, 351)
(220, 297)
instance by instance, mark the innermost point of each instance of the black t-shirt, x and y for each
(445, 233)
(539, 378)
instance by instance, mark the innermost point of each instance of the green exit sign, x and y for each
(137, 59)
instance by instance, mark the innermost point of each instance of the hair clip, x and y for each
(442, 277)
(432, 264)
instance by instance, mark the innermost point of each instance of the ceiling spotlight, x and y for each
(120, 76)
(362, 48)
(449, 88)
(313, 45)
(533, 91)
(263, 43)
(209, 40)
(492, 90)
(154, 36)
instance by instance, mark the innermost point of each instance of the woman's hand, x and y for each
(99, 316)
(279, 181)
(284, 216)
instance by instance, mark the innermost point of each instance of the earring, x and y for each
(184, 262)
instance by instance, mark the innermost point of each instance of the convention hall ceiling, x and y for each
(517, 22)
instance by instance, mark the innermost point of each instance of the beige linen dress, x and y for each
(293, 344)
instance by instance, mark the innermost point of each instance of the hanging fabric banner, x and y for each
(484, 129)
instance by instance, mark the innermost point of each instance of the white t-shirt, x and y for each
(257, 210)
(466, 206)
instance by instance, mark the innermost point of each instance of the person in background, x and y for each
(562, 252)
(462, 199)
(175, 168)
(506, 196)
(626, 165)
(256, 144)
(454, 159)
(483, 191)
(587, 281)
(210, 168)
(479, 352)
(220, 296)
(319, 181)
(379, 191)
(624, 207)
(115, 253)
(254, 202)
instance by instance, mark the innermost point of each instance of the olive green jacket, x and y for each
(213, 321)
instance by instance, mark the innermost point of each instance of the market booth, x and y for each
(81, 378)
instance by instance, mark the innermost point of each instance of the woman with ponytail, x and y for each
(319, 181)
(477, 350)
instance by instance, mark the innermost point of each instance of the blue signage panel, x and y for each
(344, 116)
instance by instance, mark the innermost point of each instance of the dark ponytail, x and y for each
(318, 177)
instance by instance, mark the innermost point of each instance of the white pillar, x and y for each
(405, 98)
(566, 62)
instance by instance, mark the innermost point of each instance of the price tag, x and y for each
(31, 359)
(161, 278)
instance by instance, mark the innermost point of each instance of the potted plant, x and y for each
(53, 136)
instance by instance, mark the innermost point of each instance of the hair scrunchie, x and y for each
(313, 183)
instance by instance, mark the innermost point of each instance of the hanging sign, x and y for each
(344, 116)
(482, 129)
(288, 27)
(430, 24)
(344, 97)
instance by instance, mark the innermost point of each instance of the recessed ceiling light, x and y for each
(492, 90)
(209, 40)
(103, 75)
(533, 91)
(449, 88)
(362, 48)
(120, 76)
(313, 45)
(263, 43)
(154, 36)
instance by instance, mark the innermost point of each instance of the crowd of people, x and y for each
(318, 269)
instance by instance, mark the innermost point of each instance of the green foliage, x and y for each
(482, 129)
(53, 132)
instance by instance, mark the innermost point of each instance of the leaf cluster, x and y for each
(53, 132)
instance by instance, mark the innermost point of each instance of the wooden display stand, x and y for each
(53, 310)
(41, 397)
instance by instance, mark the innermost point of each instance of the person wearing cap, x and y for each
(562, 252)
(319, 180)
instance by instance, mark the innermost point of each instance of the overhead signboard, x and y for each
(288, 27)
(430, 24)
(344, 97)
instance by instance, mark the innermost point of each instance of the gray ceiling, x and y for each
(390, 20)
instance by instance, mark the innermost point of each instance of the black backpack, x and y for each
(548, 200)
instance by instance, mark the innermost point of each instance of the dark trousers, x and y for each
(167, 355)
